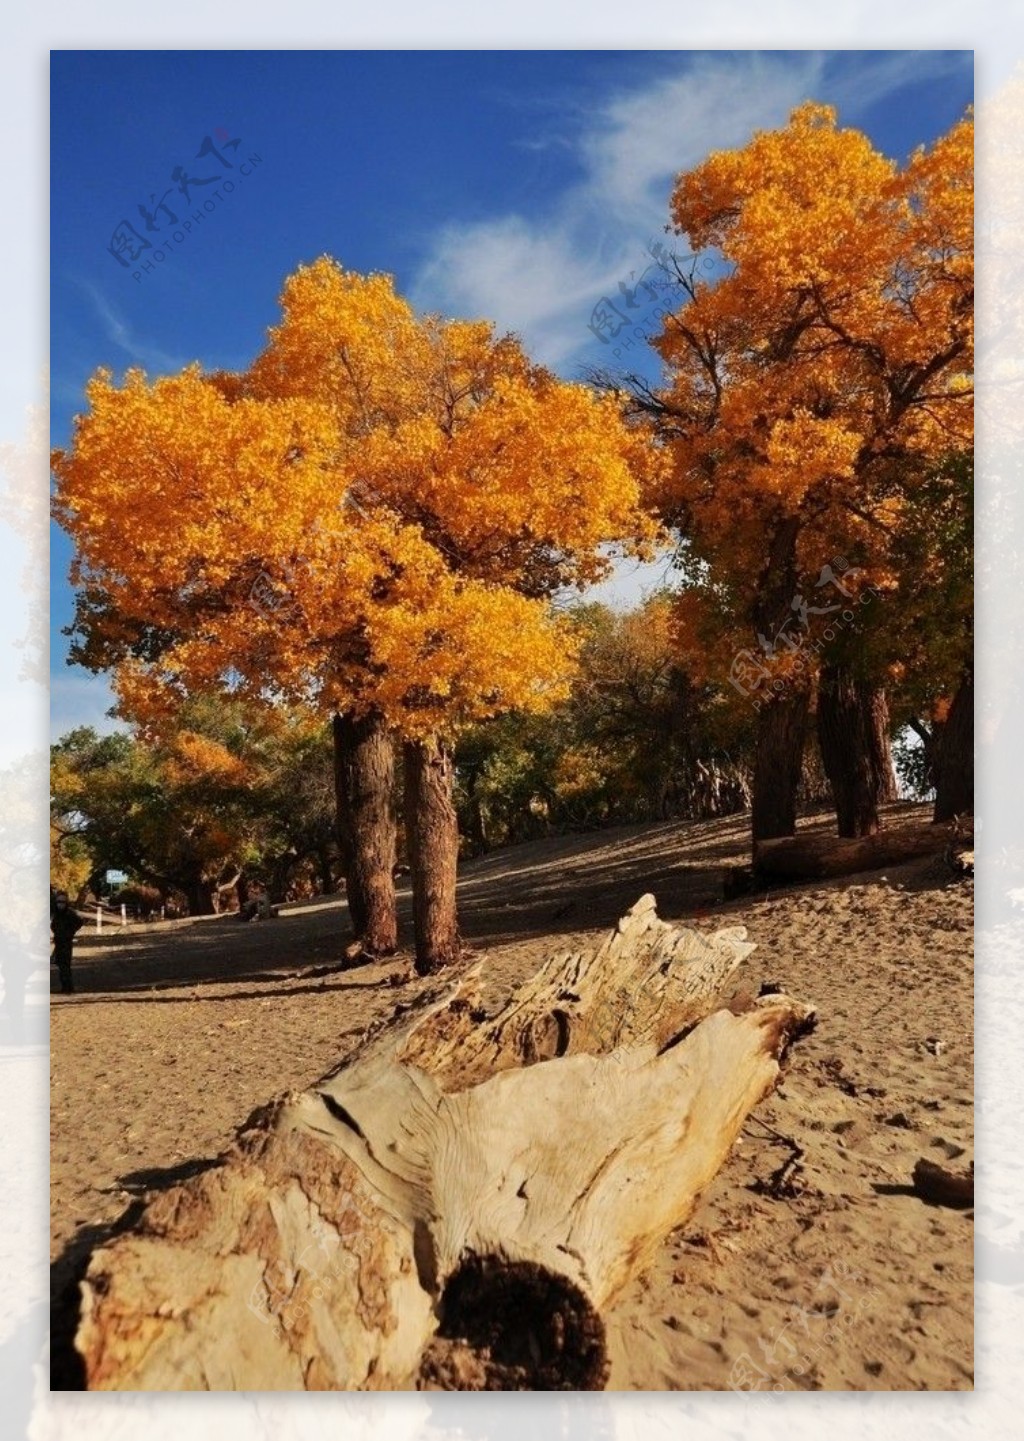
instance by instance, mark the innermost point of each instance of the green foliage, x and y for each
(929, 623)
(913, 768)
(636, 740)
(220, 789)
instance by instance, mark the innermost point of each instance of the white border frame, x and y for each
(30, 31)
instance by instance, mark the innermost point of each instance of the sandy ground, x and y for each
(851, 1283)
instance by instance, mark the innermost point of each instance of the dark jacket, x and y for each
(64, 923)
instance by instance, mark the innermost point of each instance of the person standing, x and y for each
(65, 924)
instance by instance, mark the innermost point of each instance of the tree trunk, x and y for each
(459, 1204)
(930, 737)
(223, 889)
(778, 757)
(954, 792)
(323, 865)
(364, 766)
(853, 733)
(815, 857)
(477, 820)
(199, 897)
(432, 836)
(280, 876)
(781, 717)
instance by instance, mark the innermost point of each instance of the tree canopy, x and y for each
(817, 377)
(371, 517)
(195, 800)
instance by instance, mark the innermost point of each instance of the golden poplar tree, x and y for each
(371, 519)
(813, 381)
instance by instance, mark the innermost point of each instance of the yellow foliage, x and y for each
(373, 516)
(578, 772)
(194, 757)
(825, 367)
(70, 867)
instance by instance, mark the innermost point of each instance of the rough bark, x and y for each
(954, 792)
(782, 716)
(363, 779)
(778, 758)
(459, 1203)
(432, 837)
(853, 733)
(815, 857)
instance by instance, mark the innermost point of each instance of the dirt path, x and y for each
(175, 1036)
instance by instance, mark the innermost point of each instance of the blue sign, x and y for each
(116, 878)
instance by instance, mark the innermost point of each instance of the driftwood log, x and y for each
(817, 857)
(458, 1203)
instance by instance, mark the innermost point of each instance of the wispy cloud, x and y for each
(644, 139)
(854, 91)
(541, 275)
(119, 333)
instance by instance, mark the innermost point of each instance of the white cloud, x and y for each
(643, 140)
(535, 279)
(631, 582)
(542, 275)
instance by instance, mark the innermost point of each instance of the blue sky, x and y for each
(518, 185)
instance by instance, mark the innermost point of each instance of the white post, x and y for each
(124, 914)
(99, 916)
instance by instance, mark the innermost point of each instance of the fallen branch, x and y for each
(807, 857)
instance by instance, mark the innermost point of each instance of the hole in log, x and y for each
(529, 1330)
(339, 1113)
(425, 1257)
(562, 1026)
(547, 1037)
